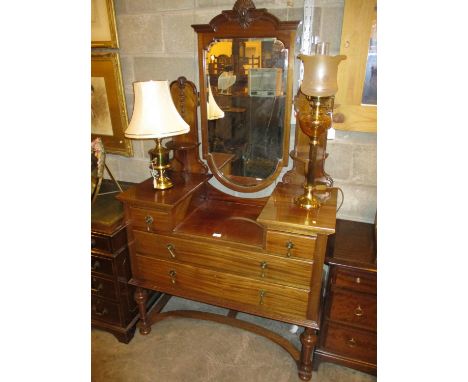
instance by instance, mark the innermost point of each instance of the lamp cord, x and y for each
(342, 198)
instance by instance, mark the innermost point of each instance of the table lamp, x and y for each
(155, 117)
(314, 110)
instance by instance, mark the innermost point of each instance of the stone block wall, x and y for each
(157, 42)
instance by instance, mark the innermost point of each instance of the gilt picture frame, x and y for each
(109, 118)
(103, 25)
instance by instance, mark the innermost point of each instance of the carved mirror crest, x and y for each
(245, 68)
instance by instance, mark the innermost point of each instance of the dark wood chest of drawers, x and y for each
(349, 322)
(113, 307)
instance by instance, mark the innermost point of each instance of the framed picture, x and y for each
(103, 26)
(108, 110)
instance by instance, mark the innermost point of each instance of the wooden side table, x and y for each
(349, 320)
(112, 304)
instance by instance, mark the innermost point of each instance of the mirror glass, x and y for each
(246, 81)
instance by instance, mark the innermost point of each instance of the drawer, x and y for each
(252, 264)
(290, 245)
(354, 308)
(103, 287)
(104, 310)
(101, 265)
(108, 243)
(181, 279)
(150, 220)
(355, 280)
(350, 342)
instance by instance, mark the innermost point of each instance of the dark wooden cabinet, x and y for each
(113, 307)
(349, 322)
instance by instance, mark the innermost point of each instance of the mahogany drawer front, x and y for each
(103, 287)
(290, 245)
(150, 220)
(102, 243)
(101, 265)
(246, 263)
(354, 308)
(351, 342)
(174, 278)
(109, 243)
(105, 310)
(355, 280)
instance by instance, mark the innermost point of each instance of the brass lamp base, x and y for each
(159, 165)
(307, 200)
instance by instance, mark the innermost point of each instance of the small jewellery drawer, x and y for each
(101, 265)
(224, 259)
(354, 308)
(150, 220)
(176, 278)
(354, 343)
(358, 281)
(290, 245)
(104, 310)
(108, 243)
(103, 288)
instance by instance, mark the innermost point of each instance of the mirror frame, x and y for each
(245, 21)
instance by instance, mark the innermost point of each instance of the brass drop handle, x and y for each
(262, 294)
(351, 342)
(358, 311)
(289, 246)
(170, 247)
(173, 275)
(98, 288)
(96, 265)
(149, 221)
(264, 266)
(103, 312)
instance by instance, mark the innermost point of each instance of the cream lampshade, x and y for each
(155, 117)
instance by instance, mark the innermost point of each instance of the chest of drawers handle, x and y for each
(289, 246)
(358, 311)
(98, 288)
(103, 312)
(172, 275)
(351, 342)
(263, 266)
(262, 294)
(149, 221)
(96, 265)
(358, 280)
(171, 248)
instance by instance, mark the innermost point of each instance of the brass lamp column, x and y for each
(156, 117)
(314, 106)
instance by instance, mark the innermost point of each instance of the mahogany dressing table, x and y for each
(261, 256)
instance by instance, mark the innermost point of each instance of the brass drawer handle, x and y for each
(351, 342)
(99, 288)
(103, 312)
(149, 221)
(358, 280)
(358, 311)
(96, 265)
(263, 266)
(262, 294)
(289, 246)
(170, 247)
(173, 275)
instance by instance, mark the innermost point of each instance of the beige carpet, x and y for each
(188, 350)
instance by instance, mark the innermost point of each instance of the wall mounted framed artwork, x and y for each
(103, 26)
(108, 110)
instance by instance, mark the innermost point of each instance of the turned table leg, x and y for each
(141, 296)
(308, 341)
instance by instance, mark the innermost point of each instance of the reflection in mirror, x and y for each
(246, 82)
